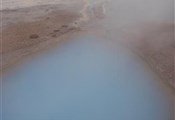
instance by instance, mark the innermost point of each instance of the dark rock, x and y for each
(47, 18)
(56, 30)
(34, 36)
(64, 26)
(54, 35)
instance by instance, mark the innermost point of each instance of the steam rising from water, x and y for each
(85, 79)
(11, 4)
(120, 13)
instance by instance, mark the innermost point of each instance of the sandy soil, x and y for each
(155, 44)
(28, 30)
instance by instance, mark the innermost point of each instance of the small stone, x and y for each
(34, 36)
(54, 35)
(47, 18)
(56, 30)
(64, 26)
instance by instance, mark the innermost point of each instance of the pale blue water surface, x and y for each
(85, 79)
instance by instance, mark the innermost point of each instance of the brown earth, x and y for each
(28, 30)
(155, 43)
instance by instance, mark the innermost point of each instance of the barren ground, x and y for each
(28, 30)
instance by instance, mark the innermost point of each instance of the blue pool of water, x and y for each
(85, 79)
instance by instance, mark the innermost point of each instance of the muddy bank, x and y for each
(28, 30)
(31, 29)
(150, 35)
(156, 45)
